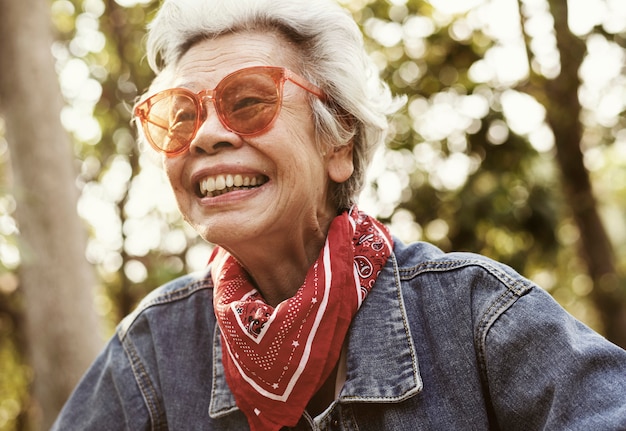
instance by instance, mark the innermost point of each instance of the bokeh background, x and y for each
(512, 144)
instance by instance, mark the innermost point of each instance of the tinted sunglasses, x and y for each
(247, 102)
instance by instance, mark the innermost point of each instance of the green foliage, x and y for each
(14, 384)
(15, 376)
(503, 209)
(510, 205)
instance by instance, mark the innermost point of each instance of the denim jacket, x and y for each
(443, 342)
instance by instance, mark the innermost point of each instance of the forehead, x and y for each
(208, 61)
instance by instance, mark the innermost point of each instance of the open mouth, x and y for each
(220, 184)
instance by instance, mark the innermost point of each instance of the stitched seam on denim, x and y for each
(145, 386)
(405, 322)
(354, 399)
(214, 368)
(180, 293)
(493, 313)
(346, 413)
(418, 383)
(226, 410)
(167, 297)
(517, 286)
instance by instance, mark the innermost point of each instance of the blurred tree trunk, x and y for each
(56, 281)
(563, 114)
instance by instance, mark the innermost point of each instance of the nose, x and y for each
(212, 136)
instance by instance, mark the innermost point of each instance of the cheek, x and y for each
(291, 145)
(301, 138)
(297, 117)
(307, 163)
(173, 172)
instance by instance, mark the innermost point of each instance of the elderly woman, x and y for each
(266, 113)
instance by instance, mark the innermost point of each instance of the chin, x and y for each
(219, 233)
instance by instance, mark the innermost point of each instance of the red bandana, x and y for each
(275, 359)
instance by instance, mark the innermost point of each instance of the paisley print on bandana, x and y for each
(276, 358)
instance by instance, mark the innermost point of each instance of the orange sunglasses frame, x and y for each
(279, 75)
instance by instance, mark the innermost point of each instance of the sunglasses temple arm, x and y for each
(304, 84)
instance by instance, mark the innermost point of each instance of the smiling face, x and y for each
(250, 193)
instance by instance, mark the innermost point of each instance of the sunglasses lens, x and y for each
(248, 101)
(171, 121)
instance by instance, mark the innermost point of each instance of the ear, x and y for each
(339, 163)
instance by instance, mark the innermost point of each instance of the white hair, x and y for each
(332, 56)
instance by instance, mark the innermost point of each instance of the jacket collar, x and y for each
(381, 359)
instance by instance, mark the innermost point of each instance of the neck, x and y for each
(278, 268)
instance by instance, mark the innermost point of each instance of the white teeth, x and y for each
(224, 183)
(220, 182)
(209, 184)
